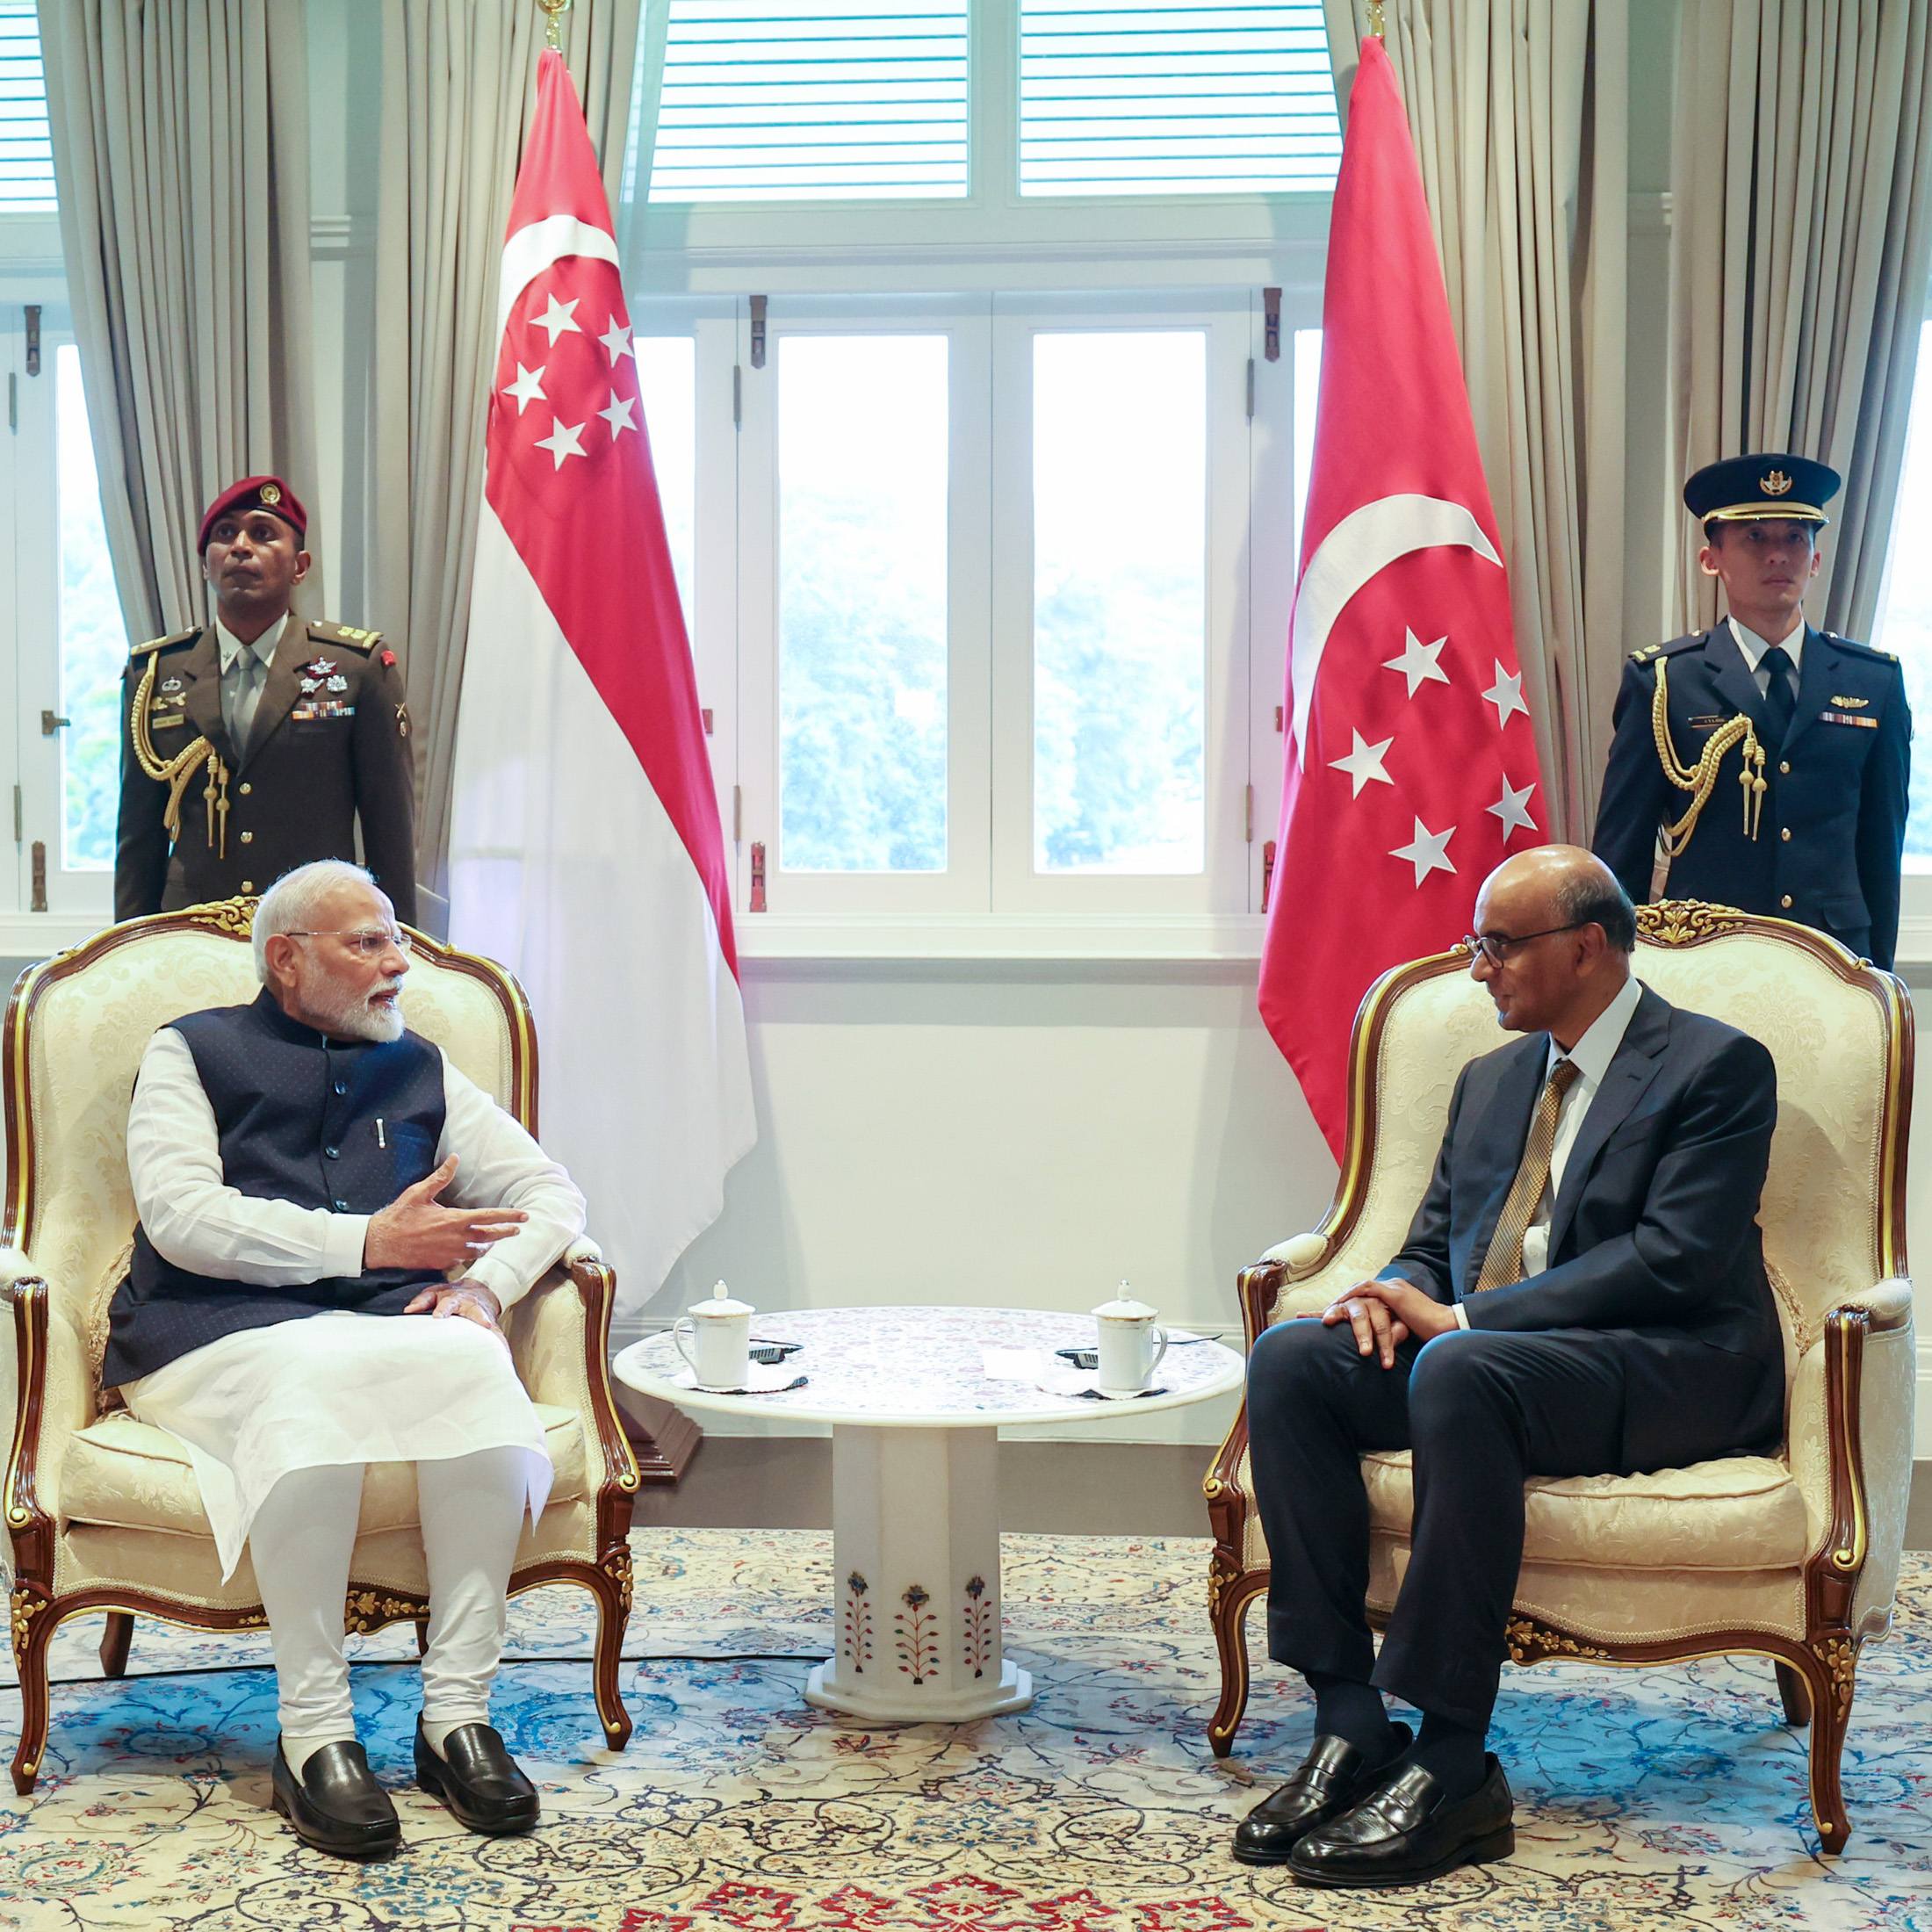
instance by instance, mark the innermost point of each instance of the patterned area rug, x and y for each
(1645, 1799)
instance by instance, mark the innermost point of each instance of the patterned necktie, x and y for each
(1779, 701)
(1503, 1262)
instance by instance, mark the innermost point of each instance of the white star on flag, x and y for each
(562, 441)
(1509, 808)
(1365, 762)
(618, 414)
(558, 319)
(616, 341)
(1427, 851)
(1506, 694)
(528, 387)
(1417, 663)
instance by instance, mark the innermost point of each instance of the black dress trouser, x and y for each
(1481, 1411)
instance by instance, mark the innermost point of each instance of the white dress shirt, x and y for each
(198, 1222)
(1592, 1056)
(233, 687)
(1753, 648)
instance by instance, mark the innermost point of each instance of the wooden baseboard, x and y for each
(662, 1439)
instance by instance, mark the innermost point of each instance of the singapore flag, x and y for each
(585, 846)
(1410, 769)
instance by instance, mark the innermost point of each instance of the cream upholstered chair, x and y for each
(1794, 1556)
(103, 1511)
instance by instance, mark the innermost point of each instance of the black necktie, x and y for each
(1779, 701)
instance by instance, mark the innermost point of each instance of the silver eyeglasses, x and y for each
(1496, 947)
(371, 942)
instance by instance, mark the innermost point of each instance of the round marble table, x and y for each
(915, 1424)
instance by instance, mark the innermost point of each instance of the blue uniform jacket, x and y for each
(1831, 830)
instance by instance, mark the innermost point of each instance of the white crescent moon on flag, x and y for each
(1364, 543)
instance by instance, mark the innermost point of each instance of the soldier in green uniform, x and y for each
(1764, 763)
(254, 742)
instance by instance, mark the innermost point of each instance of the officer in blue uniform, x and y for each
(1764, 763)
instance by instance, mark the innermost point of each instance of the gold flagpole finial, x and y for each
(554, 10)
(1375, 22)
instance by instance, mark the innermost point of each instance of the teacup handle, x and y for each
(680, 1329)
(1160, 1335)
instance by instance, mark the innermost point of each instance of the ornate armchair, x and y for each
(1793, 1557)
(102, 1510)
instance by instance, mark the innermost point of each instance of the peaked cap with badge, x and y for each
(1711, 792)
(203, 817)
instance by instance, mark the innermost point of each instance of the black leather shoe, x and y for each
(336, 1806)
(1332, 1777)
(1406, 1832)
(476, 1776)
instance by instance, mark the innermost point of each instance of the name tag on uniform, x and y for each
(159, 720)
(1846, 717)
(1708, 724)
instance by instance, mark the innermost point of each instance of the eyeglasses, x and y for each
(1496, 947)
(371, 942)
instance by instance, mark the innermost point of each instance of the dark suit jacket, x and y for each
(315, 761)
(1831, 829)
(1653, 1234)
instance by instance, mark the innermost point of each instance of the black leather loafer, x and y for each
(1405, 1832)
(336, 1806)
(476, 1776)
(1332, 1777)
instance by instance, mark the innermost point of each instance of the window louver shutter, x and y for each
(799, 100)
(26, 149)
(1187, 99)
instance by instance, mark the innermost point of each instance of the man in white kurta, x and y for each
(333, 1218)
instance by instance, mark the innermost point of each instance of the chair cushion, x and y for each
(1734, 1513)
(131, 1475)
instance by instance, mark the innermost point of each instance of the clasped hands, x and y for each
(1385, 1314)
(416, 1231)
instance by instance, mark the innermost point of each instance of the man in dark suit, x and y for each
(1582, 1292)
(1765, 762)
(254, 743)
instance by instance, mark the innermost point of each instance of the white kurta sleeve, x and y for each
(499, 1165)
(194, 1219)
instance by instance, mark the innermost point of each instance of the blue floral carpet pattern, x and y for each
(1667, 1798)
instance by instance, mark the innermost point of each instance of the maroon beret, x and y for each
(256, 492)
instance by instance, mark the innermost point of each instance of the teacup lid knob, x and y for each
(1123, 1306)
(722, 1301)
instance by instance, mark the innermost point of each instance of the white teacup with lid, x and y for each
(1131, 1344)
(715, 1338)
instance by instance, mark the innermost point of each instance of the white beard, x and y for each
(353, 1017)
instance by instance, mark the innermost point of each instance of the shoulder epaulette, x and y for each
(166, 643)
(1653, 651)
(356, 638)
(1863, 650)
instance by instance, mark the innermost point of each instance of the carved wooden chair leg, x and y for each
(1792, 1692)
(613, 1596)
(33, 1625)
(1830, 1684)
(119, 1635)
(1230, 1615)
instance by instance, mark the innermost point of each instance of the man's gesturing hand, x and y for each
(1385, 1314)
(415, 1232)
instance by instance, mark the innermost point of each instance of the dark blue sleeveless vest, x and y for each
(296, 1114)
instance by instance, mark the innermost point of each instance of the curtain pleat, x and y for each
(181, 150)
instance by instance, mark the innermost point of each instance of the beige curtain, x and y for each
(1517, 109)
(1801, 221)
(459, 85)
(181, 151)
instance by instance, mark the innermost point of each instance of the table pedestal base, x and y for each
(916, 1598)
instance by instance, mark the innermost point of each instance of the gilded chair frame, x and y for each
(1816, 1676)
(37, 1609)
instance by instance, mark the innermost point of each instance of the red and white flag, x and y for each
(585, 846)
(1410, 767)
